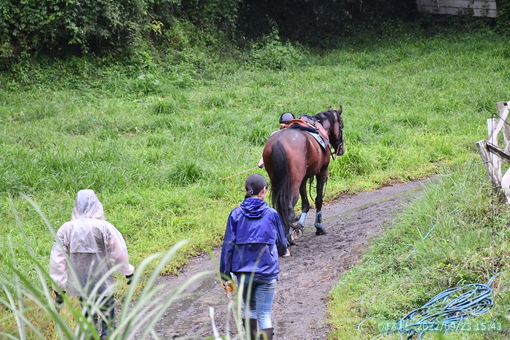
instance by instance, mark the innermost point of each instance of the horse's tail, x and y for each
(280, 182)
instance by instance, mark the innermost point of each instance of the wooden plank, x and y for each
(467, 3)
(492, 173)
(502, 106)
(458, 3)
(425, 2)
(503, 115)
(493, 139)
(479, 13)
(498, 151)
(452, 7)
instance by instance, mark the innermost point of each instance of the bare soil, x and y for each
(306, 278)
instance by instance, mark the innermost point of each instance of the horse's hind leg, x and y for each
(305, 204)
(321, 180)
(296, 230)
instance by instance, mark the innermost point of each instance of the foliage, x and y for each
(503, 19)
(54, 24)
(145, 32)
(318, 22)
(102, 27)
(273, 54)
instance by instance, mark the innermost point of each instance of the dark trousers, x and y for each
(107, 313)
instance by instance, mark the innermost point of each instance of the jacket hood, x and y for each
(87, 205)
(254, 207)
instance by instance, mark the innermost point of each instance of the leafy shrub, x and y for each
(89, 25)
(146, 83)
(105, 27)
(273, 54)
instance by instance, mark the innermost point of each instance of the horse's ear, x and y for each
(340, 110)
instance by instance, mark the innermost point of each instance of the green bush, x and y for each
(274, 54)
(503, 18)
(103, 27)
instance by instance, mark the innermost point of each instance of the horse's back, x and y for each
(304, 155)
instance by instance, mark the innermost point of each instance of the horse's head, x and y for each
(332, 122)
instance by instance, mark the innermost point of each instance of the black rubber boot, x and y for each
(266, 334)
(253, 329)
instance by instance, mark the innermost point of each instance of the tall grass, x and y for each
(154, 141)
(455, 234)
(28, 309)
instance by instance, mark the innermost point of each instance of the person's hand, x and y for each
(59, 299)
(129, 279)
(228, 286)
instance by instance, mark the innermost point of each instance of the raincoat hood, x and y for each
(87, 205)
(254, 207)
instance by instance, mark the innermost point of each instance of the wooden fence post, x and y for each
(493, 155)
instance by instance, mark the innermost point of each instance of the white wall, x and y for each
(481, 8)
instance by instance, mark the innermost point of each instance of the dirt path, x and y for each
(306, 278)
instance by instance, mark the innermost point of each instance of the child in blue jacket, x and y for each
(254, 238)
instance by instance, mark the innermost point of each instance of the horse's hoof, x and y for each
(297, 233)
(287, 253)
(320, 231)
(297, 225)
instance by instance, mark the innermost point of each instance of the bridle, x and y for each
(337, 147)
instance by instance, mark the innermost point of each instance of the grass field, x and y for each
(153, 141)
(456, 234)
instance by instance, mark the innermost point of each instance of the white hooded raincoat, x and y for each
(90, 245)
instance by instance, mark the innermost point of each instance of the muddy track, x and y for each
(306, 278)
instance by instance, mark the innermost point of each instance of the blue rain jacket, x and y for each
(253, 239)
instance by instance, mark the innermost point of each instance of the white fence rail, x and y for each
(492, 154)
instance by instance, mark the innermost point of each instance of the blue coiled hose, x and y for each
(445, 311)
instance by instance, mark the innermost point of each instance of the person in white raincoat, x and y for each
(83, 255)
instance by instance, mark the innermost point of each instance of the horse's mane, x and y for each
(329, 115)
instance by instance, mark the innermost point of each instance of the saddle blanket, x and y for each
(318, 138)
(305, 127)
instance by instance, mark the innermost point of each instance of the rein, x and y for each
(310, 182)
(241, 172)
(335, 147)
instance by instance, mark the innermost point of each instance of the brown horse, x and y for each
(293, 156)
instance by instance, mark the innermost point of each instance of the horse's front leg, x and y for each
(322, 178)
